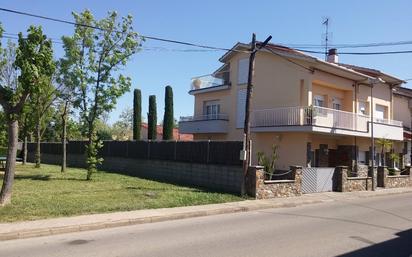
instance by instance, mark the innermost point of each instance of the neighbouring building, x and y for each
(317, 112)
(177, 135)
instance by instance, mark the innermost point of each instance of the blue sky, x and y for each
(223, 23)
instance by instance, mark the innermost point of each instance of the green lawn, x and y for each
(45, 193)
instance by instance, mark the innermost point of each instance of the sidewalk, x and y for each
(18, 230)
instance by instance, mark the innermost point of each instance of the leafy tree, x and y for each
(137, 114)
(152, 119)
(122, 129)
(34, 60)
(385, 144)
(3, 129)
(95, 53)
(168, 120)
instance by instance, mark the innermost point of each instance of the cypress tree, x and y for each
(152, 118)
(137, 113)
(168, 114)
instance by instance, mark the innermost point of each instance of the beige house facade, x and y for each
(318, 113)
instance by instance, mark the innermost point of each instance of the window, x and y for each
(336, 104)
(242, 71)
(363, 108)
(211, 110)
(379, 112)
(362, 157)
(319, 100)
(241, 105)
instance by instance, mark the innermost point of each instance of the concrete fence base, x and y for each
(225, 178)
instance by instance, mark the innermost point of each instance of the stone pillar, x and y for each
(382, 176)
(254, 179)
(297, 175)
(339, 179)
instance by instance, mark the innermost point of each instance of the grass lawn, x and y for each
(46, 192)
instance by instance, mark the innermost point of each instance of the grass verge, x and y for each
(46, 193)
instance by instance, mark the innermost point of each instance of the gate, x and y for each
(317, 180)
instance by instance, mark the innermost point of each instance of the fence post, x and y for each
(127, 149)
(148, 149)
(174, 157)
(208, 151)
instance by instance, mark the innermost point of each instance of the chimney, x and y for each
(333, 56)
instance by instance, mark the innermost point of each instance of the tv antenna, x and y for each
(326, 22)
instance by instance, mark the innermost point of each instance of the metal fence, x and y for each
(207, 152)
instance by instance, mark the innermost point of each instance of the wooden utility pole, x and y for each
(249, 91)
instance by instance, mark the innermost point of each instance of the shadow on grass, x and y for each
(399, 246)
(33, 177)
(167, 189)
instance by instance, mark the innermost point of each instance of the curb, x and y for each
(21, 234)
(226, 208)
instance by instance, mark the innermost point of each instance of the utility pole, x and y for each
(249, 91)
(372, 142)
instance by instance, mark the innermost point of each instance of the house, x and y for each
(317, 112)
(159, 129)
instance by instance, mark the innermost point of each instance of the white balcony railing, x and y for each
(316, 116)
(217, 116)
(207, 81)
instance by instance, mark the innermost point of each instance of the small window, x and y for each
(243, 70)
(319, 100)
(337, 104)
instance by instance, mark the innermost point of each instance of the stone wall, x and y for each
(343, 183)
(258, 187)
(386, 181)
(213, 177)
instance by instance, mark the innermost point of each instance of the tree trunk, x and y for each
(6, 190)
(25, 149)
(64, 137)
(38, 150)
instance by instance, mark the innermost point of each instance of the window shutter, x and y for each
(242, 72)
(241, 105)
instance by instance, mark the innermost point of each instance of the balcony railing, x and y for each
(316, 116)
(208, 81)
(218, 116)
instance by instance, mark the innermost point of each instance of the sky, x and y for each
(223, 23)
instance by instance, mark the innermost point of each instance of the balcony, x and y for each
(213, 123)
(209, 83)
(324, 120)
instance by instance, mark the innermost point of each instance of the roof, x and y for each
(176, 134)
(353, 72)
(403, 91)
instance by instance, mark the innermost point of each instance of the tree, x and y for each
(384, 144)
(137, 113)
(40, 102)
(122, 129)
(96, 52)
(152, 119)
(34, 60)
(168, 120)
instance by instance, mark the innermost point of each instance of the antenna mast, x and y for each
(326, 23)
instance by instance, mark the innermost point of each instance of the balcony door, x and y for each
(379, 113)
(211, 110)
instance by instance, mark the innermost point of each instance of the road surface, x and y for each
(378, 226)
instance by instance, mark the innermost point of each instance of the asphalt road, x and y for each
(378, 226)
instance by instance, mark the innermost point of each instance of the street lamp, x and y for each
(373, 82)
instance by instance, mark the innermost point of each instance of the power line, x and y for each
(287, 59)
(358, 53)
(99, 28)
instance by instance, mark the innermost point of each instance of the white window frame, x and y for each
(362, 157)
(337, 103)
(242, 71)
(363, 108)
(240, 108)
